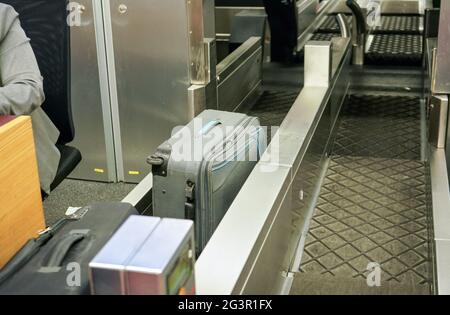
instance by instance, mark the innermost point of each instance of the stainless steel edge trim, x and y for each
(297, 259)
(105, 89)
(440, 195)
(441, 84)
(113, 89)
(227, 66)
(140, 191)
(441, 218)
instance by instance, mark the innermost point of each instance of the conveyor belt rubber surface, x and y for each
(273, 106)
(395, 49)
(398, 41)
(390, 24)
(388, 49)
(372, 206)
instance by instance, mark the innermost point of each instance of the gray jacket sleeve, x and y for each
(21, 83)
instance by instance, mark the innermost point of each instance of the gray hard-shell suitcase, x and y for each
(200, 184)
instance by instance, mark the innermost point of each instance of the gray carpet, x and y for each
(76, 193)
(373, 205)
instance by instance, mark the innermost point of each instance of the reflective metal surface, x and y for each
(344, 26)
(211, 101)
(90, 97)
(239, 76)
(443, 265)
(438, 121)
(153, 65)
(195, 33)
(306, 14)
(252, 250)
(165, 258)
(441, 218)
(141, 196)
(318, 63)
(147, 255)
(107, 270)
(310, 15)
(390, 6)
(224, 16)
(441, 80)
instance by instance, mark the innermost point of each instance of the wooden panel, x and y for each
(21, 212)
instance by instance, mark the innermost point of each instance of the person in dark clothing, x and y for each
(283, 25)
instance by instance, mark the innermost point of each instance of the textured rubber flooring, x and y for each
(373, 205)
(273, 106)
(388, 49)
(380, 126)
(324, 36)
(395, 49)
(330, 25)
(390, 24)
(398, 41)
(403, 24)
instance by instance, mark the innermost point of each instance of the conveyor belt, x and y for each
(273, 106)
(372, 206)
(403, 24)
(388, 49)
(390, 24)
(330, 25)
(398, 41)
(395, 49)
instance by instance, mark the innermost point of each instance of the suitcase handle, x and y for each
(61, 249)
(209, 126)
(28, 251)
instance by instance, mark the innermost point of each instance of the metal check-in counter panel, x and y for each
(151, 58)
(150, 67)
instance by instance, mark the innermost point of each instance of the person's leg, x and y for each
(283, 25)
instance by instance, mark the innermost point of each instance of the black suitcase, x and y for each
(59, 266)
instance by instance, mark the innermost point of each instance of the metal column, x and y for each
(90, 96)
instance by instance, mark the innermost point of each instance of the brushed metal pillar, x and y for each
(90, 96)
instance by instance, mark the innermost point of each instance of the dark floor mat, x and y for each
(323, 36)
(306, 284)
(273, 107)
(372, 207)
(400, 24)
(390, 24)
(402, 50)
(330, 25)
(387, 49)
(380, 126)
